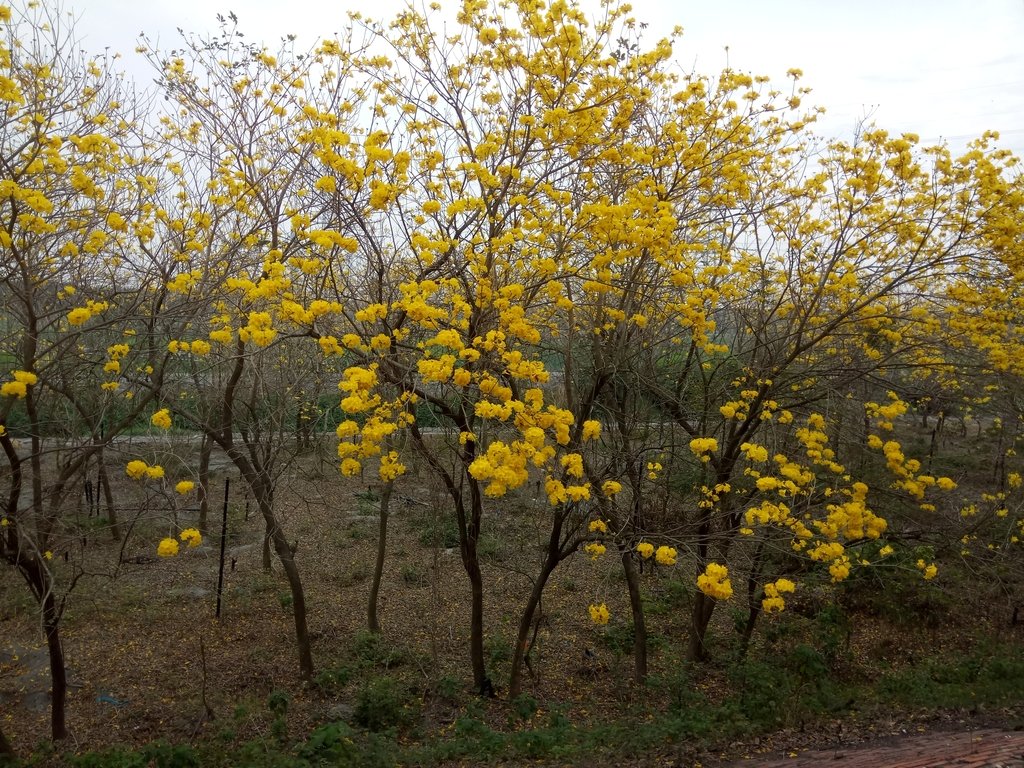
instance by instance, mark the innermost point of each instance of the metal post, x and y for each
(223, 544)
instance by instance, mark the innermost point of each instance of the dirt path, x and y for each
(990, 748)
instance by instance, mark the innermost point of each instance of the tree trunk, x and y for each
(639, 624)
(515, 682)
(748, 629)
(58, 674)
(6, 749)
(703, 607)
(267, 537)
(373, 622)
(108, 500)
(205, 449)
(291, 570)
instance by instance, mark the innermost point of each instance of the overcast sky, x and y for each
(943, 69)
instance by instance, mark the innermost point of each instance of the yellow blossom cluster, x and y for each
(199, 347)
(137, 469)
(599, 613)
(714, 582)
(169, 547)
(258, 329)
(80, 315)
(594, 549)
(773, 601)
(161, 419)
(702, 446)
(18, 386)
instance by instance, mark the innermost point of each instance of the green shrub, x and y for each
(381, 703)
(373, 651)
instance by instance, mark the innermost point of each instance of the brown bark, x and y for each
(205, 449)
(515, 682)
(58, 672)
(639, 624)
(469, 536)
(703, 607)
(291, 571)
(373, 622)
(108, 500)
(268, 535)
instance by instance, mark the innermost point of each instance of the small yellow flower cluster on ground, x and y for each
(599, 614)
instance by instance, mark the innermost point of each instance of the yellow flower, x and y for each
(13, 389)
(646, 549)
(599, 614)
(598, 526)
(79, 315)
(701, 446)
(191, 536)
(784, 585)
(162, 419)
(48, 555)
(594, 549)
(591, 429)
(155, 472)
(390, 467)
(184, 486)
(168, 547)
(714, 582)
(665, 556)
(610, 487)
(136, 469)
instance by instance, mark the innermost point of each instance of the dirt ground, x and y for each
(147, 659)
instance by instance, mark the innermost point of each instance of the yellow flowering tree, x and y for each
(464, 199)
(73, 214)
(249, 265)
